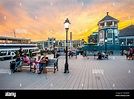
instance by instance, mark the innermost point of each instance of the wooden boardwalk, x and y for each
(117, 73)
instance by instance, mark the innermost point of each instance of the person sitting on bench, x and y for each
(43, 62)
(104, 55)
(36, 63)
(26, 60)
(99, 56)
(17, 62)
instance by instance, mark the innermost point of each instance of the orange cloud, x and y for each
(45, 18)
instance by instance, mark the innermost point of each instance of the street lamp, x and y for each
(54, 47)
(66, 26)
(122, 47)
(106, 45)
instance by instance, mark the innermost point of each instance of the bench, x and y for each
(52, 64)
(21, 65)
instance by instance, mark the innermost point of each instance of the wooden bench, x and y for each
(51, 64)
(21, 65)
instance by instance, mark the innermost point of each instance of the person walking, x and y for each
(130, 52)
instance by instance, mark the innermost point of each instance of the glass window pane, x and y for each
(101, 34)
(122, 40)
(109, 35)
(129, 42)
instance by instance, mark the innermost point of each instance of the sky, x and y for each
(40, 19)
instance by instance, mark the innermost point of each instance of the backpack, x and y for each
(12, 65)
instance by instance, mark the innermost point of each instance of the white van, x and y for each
(7, 54)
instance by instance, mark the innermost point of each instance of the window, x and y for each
(109, 35)
(110, 31)
(116, 33)
(102, 34)
(101, 25)
(110, 41)
(101, 42)
(116, 41)
(129, 42)
(122, 40)
(109, 24)
(3, 53)
(9, 52)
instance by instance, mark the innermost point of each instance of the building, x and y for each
(110, 38)
(48, 44)
(51, 42)
(93, 38)
(126, 37)
(14, 40)
(108, 33)
(13, 44)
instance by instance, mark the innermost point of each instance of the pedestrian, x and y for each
(70, 54)
(30, 53)
(130, 52)
(21, 52)
(16, 54)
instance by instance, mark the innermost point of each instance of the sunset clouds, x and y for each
(45, 18)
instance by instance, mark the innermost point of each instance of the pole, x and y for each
(122, 49)
(99, 48)
(54, 50)
(66, 64)
(106, 47)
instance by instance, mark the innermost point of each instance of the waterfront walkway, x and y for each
(86, 74)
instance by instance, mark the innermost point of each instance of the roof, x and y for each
(94, 33)
(128, 31)
(108, 18)
(13, 38)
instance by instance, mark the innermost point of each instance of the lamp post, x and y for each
(122, 47)
(66, 26)
(54, 47)
(106, 45)
(99, 47)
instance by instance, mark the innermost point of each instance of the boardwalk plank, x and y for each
(116, 75)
